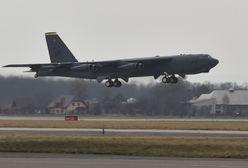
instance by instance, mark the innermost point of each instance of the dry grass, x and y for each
(141, 146)
(139, 124)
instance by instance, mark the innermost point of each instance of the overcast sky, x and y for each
(115, 29)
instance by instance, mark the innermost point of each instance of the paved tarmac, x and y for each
(141, 132)
(31, 160)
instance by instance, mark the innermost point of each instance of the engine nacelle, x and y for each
(42, 73)
(45, 67)
(132, 66)
(85, 67)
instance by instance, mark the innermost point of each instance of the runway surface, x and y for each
(31, 160)
(153, 132)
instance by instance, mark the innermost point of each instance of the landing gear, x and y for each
(115, 83)
(170, 79)
(36, 75)
(109, 83)
(165, 79)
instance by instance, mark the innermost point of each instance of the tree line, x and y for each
(155, 99)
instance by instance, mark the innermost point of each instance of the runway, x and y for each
(30, 160)
(148, 132)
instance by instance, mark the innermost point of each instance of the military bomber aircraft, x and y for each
(64, 64)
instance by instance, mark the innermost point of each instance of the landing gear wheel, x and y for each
(109, 83)
(173, 79)
(165, 79)
(117, 83)
(36, 75)
(170, 79)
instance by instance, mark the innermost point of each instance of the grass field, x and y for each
(140, 146)
(139, 124)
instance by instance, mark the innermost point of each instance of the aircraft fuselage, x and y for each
(180, 64)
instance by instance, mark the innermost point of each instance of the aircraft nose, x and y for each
(214, 62)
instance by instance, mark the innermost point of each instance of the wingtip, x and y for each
(51, 33)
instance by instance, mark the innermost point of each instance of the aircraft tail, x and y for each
(58, 51)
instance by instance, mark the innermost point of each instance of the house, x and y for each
(68, 104)
(223, 102)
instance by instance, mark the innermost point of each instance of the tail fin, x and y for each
(58, 51)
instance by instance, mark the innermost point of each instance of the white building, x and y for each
(68, 104)
(229, 102)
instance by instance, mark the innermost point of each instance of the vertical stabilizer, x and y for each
(58, 51)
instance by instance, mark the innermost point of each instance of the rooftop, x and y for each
(233, 97)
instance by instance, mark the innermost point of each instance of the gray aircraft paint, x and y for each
(64, 64)
(58, 51)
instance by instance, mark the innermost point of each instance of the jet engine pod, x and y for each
(47, 67)
(85, 67)
(42, 73)
(132, 66)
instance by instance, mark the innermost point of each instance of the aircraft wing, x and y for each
(35, 67)
(148, 60)
(24, 65)
(106, 66)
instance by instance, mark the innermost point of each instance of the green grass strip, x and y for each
(140, 146)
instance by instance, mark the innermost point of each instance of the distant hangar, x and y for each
(221, 102)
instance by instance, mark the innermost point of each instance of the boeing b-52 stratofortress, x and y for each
(64, 64)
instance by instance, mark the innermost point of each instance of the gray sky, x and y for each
(114, 29)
